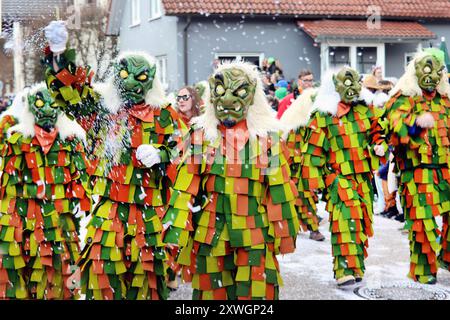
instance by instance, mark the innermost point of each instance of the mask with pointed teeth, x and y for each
(44, 109)
(347, 84)
(133, 77)
(232, 93)
(429, 71)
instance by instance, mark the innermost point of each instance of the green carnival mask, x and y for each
(347, 84)
(429, 72)
(232, 93)
(134, 78)
(44, 109)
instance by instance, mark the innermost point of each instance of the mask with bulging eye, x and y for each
(44, 109)
(133, 78)
(232, 93)
(347, 84)
(429, 72)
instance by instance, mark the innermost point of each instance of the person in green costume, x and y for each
(233, 206)
(418, 115)
(343, 139)
(132, 135)
(44, 184)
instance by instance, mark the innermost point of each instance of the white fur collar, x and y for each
(156, 97)
(261, 118)
(25, 119)
(299, 113)
(17, 105)
(327, 99)
(408, 83)
(380, 99)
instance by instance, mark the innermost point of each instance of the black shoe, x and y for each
(392, 212)
(400, 218)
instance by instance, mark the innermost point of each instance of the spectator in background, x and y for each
(272, 66)
(282, 84)
(305, 80)
(281, 93)
(188, 104)
(377, 72)
(268, 86)
(274, 78)
(273, 101)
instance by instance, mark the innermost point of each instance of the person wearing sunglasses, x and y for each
(188, 104)
(188, 107)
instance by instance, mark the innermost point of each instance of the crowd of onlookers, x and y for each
(281, 93)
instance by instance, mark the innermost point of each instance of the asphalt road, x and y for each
(308, 275)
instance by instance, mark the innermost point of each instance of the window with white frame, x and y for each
(408, 57)
(161, 70)
(255, 58)
(155, 9)
(366, 59)
(135, 12)
(360, 56)
(339, 56)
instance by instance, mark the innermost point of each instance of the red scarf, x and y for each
(343, 109)
(429, 96)
(237, 136)
(142, 112)
(46, 139)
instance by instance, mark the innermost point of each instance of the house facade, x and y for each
(22, 37)
(187, 36)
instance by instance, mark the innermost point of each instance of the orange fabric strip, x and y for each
(46, 139)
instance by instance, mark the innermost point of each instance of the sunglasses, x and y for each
(184, 98)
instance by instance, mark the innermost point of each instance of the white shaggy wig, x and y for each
(328, 98)
(156, 96)
(15, 110)
(25, 119)
(299, 113)
(206, 96)
(408, 84)
(261, 118)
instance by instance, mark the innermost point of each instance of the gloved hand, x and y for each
(425, 120)
(148, 155)
(379, 150)
(57, 36)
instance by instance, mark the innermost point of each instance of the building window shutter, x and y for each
(135, 12)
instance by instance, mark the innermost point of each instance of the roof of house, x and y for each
(32, 9)
(314, 8)
(357, 29)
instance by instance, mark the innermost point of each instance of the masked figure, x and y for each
(233, 206)
(44, 189)
(294, 122)
(419, 127)
(132, 136)
(338, 157)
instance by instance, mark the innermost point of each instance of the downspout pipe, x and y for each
(185, 50)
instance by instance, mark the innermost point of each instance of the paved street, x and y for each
(307, 273)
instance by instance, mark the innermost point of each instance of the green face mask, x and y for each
(429, 72)
(42, 105)
(347, 84)
(134, 78)
(232, 93)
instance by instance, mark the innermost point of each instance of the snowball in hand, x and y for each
(148, 155)
(57, 36)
